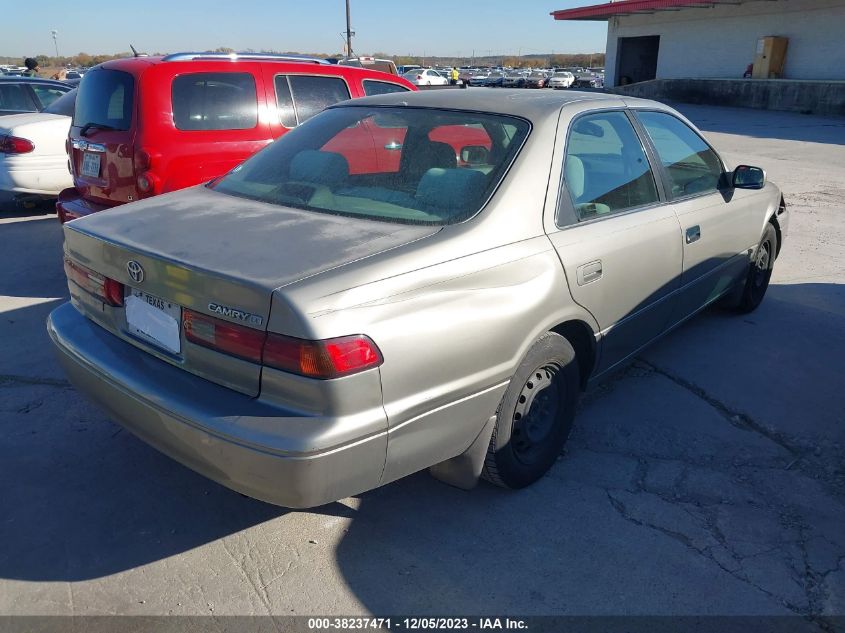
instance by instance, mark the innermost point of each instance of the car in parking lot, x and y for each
(300, 333)
(514, 79)
(33, 158)
(148, 125)
(425, 77)
(29, 94)
(561, 79)
(536, 79)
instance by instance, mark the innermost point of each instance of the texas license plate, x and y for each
(154, 320)
(91, 165)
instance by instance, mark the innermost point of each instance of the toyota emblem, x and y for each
(135, 270)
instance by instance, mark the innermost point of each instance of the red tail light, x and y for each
(15, 145)
(329, 358)
(105, 289)
(216, 334)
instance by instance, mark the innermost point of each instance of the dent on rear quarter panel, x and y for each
(451, 335)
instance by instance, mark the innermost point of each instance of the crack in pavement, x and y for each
(734, 417)
(11, 380)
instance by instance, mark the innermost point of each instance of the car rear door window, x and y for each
(692, 166)
(381, 87)
(16, 97)
(299, 97)
(215, 101)
(606, 170)
(47, 94)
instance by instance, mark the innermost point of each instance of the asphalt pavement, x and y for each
(706, 478)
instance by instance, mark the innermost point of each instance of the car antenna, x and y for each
(134, 52)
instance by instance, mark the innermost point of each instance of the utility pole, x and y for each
(349, 31)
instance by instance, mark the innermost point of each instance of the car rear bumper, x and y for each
(71, 205)
(215, 431)
(44, 175)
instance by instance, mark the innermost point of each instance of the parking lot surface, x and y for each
(706, 478)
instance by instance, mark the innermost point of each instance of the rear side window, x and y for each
(299, 97)
(64, 104)
(106, 98)
(215, 101)
(15, 97)
(372, 87)
(606, 170)
(47, 94)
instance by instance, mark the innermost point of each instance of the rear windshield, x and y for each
(64, 104)
(404, 165)
(106, 98)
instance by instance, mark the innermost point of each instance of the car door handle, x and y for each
(393, 145)
(589, 272)
(693, 234)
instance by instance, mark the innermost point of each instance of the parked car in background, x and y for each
(407, 68)
(588, 81)
(514, 79)
(149, 125)
(371, 63)
(494, 80)
(536, 80)
(425, 77)
(561, 79)
(355, 329)
(33, 158)
(29, 94)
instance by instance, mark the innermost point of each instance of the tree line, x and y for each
(594, 60)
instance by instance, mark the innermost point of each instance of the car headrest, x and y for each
(450, 189)
(320, 168)
(573, 173)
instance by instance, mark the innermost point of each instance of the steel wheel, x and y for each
(535, 415)
(537, 408)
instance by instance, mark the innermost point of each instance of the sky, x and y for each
(396, 27)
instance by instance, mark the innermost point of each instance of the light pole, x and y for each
(349, 31)
(54, 33)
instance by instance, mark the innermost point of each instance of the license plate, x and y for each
(154, 320)
(91, 164)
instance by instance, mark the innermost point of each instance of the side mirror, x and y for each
(474, 155)
(747, 177)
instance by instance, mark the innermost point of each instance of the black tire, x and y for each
(759, 272)
(536, 414)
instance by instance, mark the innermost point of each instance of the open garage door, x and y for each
(637, 59)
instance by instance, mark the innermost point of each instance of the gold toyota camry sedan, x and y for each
(408, 281)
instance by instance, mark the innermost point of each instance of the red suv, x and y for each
(148, 125)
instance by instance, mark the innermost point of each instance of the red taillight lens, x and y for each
(15, 145)
(223, 336)
(105, 289)
(330, 358)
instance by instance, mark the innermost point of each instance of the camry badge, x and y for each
(234, 313)
(135, 270)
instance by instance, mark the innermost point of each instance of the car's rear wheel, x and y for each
(536, 414)
(759, 272)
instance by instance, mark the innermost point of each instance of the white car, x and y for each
(33, 158)
(426, 77)
(561, 79)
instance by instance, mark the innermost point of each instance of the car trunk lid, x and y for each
(217, 255)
